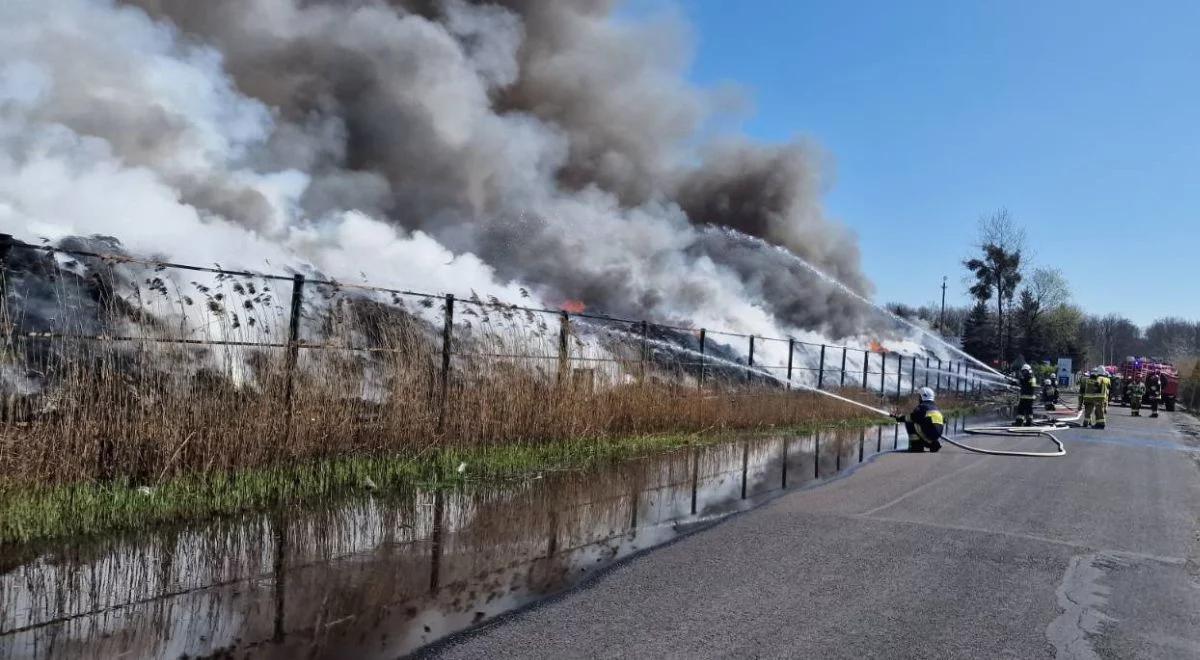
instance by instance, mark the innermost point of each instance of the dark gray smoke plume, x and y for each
(551, 140)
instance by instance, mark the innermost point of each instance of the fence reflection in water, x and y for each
(386, 575)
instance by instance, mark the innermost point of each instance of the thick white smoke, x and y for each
(444, 146)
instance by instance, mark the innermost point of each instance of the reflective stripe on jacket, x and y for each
(1094, 387)
(1029, 388)
(928, 420)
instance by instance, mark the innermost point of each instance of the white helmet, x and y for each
(1099, 371)
(927, 394)
(1026, 367)
(1048, 382)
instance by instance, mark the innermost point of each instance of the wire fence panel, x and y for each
(119, 364)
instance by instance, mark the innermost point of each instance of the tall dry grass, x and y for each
(98, 395)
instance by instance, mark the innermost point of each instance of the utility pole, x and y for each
(942, 317)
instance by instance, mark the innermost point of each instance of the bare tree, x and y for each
(1173, 338)
(1049, 288)
(1111, 338)
(1001, 230)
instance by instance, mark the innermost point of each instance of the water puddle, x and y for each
(385, 576)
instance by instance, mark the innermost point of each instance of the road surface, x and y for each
(950, 555)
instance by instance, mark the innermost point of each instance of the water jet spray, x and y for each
(840, 286)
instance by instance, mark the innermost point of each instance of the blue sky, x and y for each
(1080, 117)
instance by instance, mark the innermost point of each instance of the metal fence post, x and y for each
(447, 338)
(750, 362)
(882, 374)
(939, 374)
(791, 354)
(6, 328)
(645, 352)
(912, 386)
(926, 371)
(843, 384)
(6, 243)
(899, 373)
(821, 370)
(564, 348)
(866, 361)
(293, 349)
(703, 334)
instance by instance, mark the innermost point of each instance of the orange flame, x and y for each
(573, 307)
(877, 347)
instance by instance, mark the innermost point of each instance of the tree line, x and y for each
(1023, 312)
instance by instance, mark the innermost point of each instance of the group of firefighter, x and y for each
(1094, 392)
(1096, 389)
(926, 423)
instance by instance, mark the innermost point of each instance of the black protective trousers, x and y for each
(1025, 411)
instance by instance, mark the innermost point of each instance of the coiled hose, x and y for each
(1042, 426)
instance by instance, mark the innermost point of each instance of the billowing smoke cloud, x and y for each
(439, 144)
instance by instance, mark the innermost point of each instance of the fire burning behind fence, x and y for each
(119, 368)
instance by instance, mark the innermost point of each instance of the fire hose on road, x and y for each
(1042, 427)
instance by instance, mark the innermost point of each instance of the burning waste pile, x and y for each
(547, 154)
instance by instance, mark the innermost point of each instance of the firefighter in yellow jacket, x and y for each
(1137, 390)
(1093, 398)
(925, 424)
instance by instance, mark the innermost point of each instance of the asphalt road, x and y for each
(949, 555)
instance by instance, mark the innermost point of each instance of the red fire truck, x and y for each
(1140, 368)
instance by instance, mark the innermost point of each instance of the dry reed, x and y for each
(367, 380)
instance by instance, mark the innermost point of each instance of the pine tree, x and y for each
(1031, 328)
(979, 335)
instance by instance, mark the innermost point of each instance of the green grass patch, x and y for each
(29, 515)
